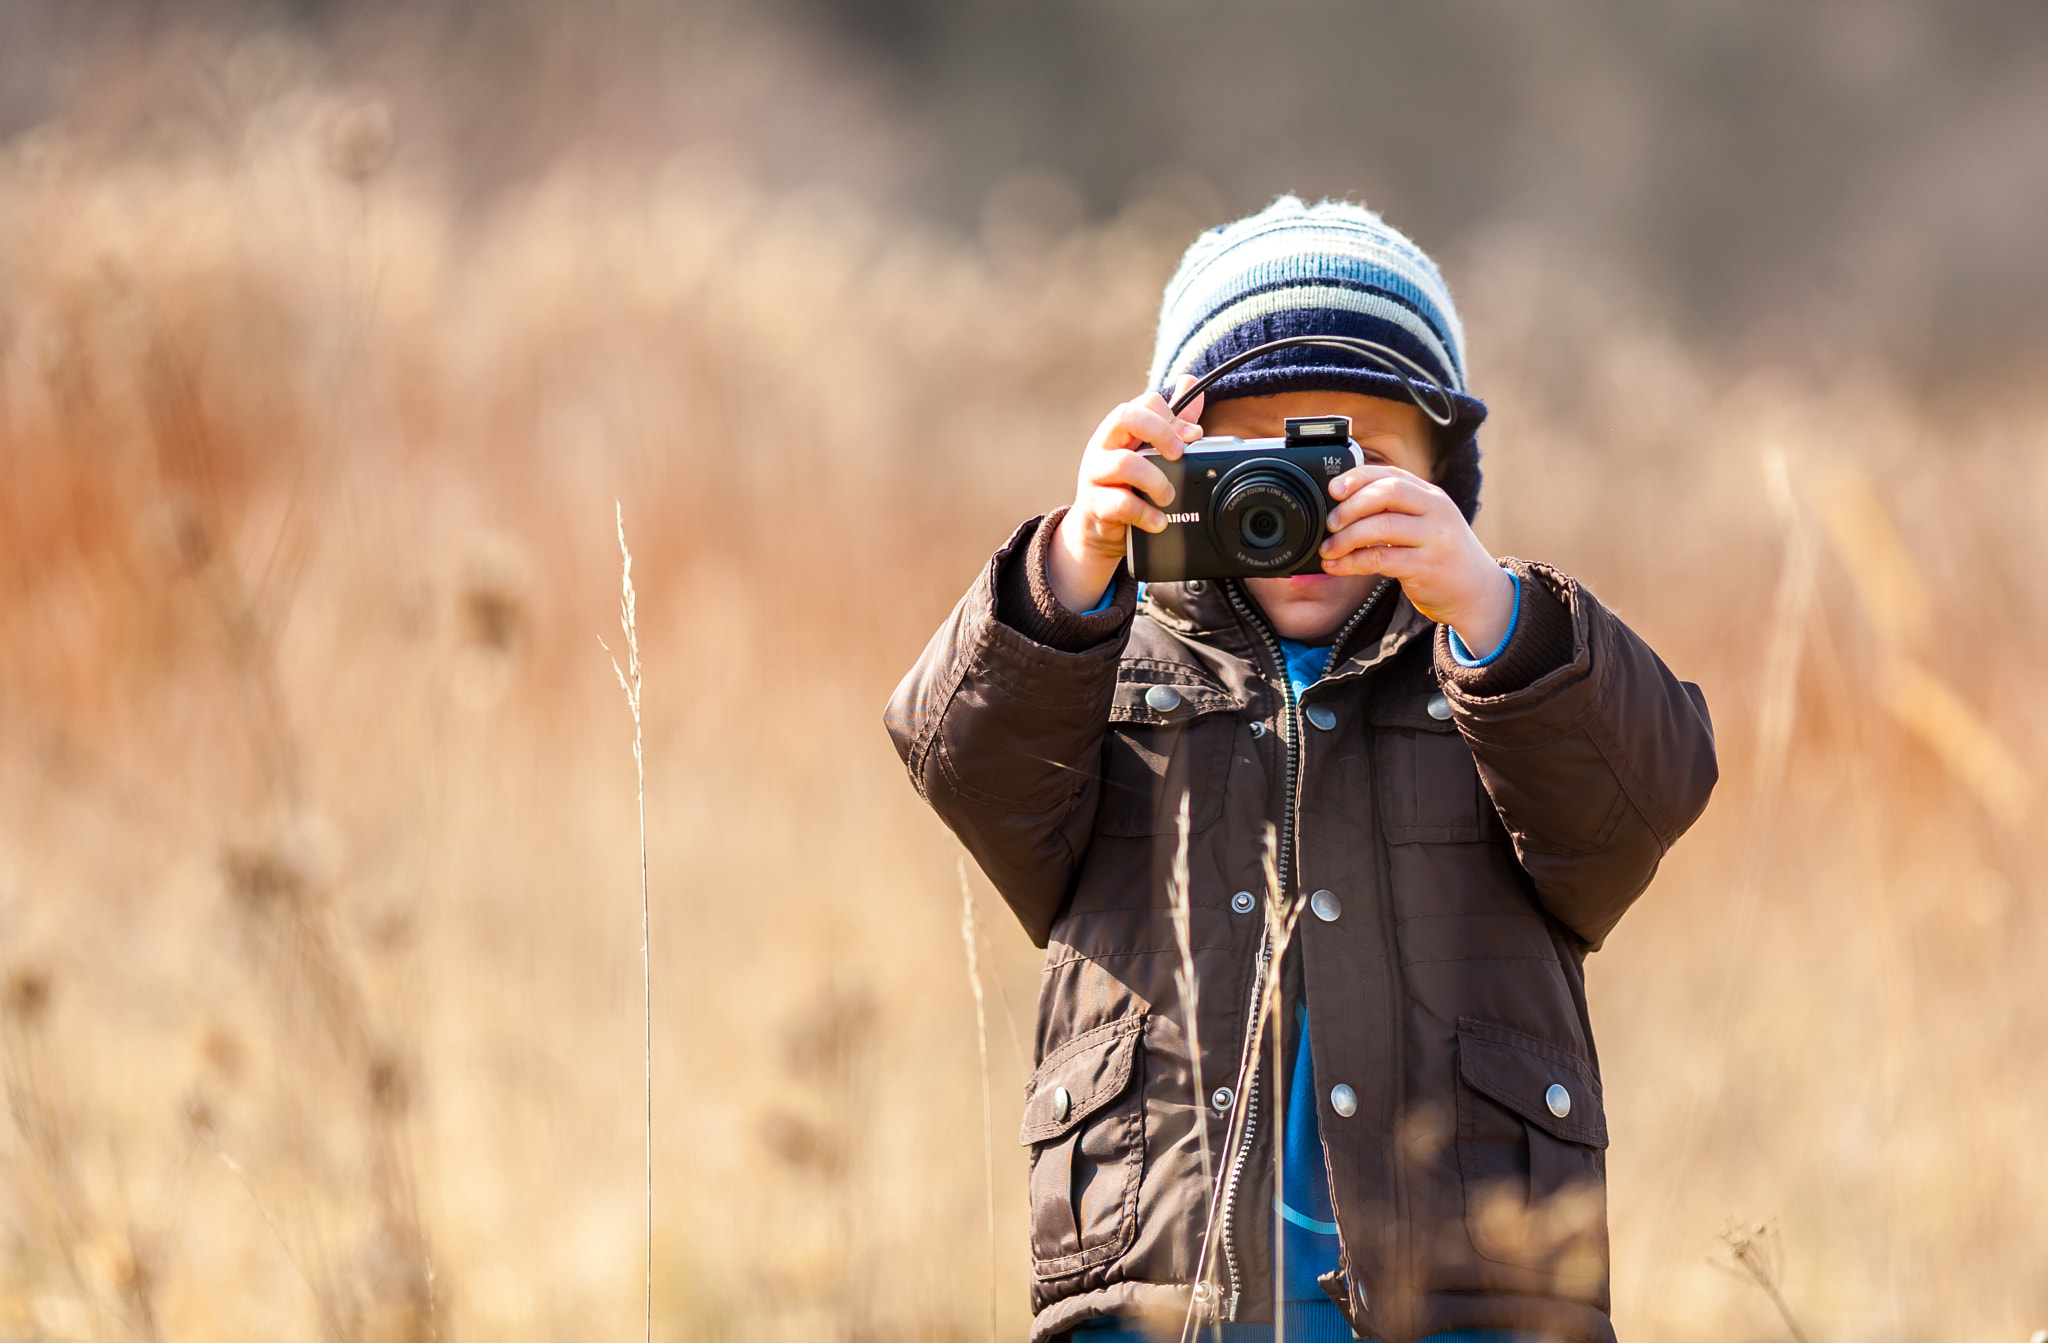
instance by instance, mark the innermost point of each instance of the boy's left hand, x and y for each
(1393, 522)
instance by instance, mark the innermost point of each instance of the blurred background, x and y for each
(331, 332)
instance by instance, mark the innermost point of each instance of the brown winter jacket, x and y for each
(1468, 835)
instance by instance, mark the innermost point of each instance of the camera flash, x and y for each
(1320, 429)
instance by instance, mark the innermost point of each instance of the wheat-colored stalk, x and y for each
(1191, 1010)
(1190, 992)
(1760, 1261)
(1002, 992)
(1281, 918)
(988, 1135)
(1248, 1062)
(1792, 606)
(629, 681)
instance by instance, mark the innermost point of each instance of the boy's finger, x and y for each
(1358, 477)
(1388, 494)
(1152, 424)
(1380, 529)
(1396, 562)
(1191, 413)
(1133, 472)
(1112, 504)
(1187, 421)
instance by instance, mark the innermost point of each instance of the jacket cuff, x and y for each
(1540, 643)
(1025, 600)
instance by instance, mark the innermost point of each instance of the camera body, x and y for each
(1247, 507)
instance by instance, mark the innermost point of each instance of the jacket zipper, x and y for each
(1290, 738)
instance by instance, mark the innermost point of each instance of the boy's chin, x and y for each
(1309, 606)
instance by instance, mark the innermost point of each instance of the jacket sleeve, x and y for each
(1595, 755)
(1002, 731)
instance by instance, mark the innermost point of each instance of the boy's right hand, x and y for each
(1118, 489)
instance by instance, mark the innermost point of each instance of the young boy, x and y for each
(1471, 769)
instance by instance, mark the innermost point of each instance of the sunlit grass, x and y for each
(317, 841)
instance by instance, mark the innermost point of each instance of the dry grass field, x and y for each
(318, 865)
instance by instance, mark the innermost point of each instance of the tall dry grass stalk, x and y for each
(1759, 1260)
(1894, 599)
(629, 682)
(969, 936)
(1010, 1029)
(1776, 720)
(1189, 988)
(1276, 930)
(1282, 915)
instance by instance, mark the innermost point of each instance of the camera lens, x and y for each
(1262, 528)
(1267, 515)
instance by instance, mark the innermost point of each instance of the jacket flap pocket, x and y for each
(1421, 706)
(1079, 1078)
(1163, 693)
(1550, 1087)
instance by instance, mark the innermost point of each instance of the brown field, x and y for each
(318, 863)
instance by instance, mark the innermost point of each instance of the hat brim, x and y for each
(1468, 412)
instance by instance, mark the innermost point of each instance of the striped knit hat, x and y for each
(1331, 269)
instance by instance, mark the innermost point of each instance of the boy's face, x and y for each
(1313, 606)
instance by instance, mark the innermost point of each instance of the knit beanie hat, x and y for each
(1330, 269)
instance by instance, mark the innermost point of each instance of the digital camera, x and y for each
(1247, 507)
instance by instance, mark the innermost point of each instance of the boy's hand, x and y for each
(1389, 521)
(1118, 490)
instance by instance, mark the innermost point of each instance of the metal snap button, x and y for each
(1343, 1100)
(1439, 707)
(1323, 716)
(1559, 1100)
(1164, 698)
(1062, 1105)
(1258, 729)
(1197, 586)
(1242, 902)
(1326, 905)
(1221, 1098)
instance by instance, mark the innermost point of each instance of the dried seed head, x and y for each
(490, 615)
(198, 1117)
(831, 1034)
(27, 997)
(389, 1088)
(111, 1264)
(801, 1144)
(360, 139)
(223, 1052)
(260, 878)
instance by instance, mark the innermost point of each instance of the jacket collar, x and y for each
(1202, 609)
(1406, 626)
(1199, 607)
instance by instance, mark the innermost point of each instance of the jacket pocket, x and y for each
(1532, 1139)
(1428, 784)
(1167, 736)
(1084, 1122)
